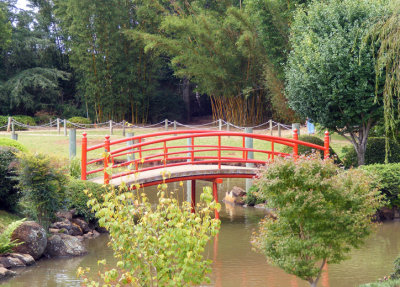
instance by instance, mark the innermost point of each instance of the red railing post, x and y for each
(219, 152)
(244, 146)
(326, 145)
(165, 153)
(296, 146)
(192, 155)
(84, 157)
(272, 150)
(106, 157)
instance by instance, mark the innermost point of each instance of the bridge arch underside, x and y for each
(182, 173)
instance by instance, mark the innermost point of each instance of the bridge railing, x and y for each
(161, 150)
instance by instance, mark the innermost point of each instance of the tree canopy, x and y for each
(320, 213)
(330, 78)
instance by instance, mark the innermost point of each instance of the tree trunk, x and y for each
(359, 140)
(186, 98)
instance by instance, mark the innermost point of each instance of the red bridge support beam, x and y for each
(215, 193)
(193, 195)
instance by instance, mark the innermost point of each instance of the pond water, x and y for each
(234, 262)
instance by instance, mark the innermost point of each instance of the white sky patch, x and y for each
(22, 4)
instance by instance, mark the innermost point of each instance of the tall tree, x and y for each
(330, 79)
(217, 48)
(29, 78)
(116, 76)
(386, 32)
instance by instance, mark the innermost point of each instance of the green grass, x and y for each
(6, 218)
(389, 283)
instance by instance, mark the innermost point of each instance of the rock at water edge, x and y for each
(60, 245)
(33, 237)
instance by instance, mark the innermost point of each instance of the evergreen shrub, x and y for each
(42, 181)
(9, 192)
(305, 150)
(77, 196)
(79, 121)
(375, 152)
(387, 179)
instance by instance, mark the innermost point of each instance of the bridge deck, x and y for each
(178, 173)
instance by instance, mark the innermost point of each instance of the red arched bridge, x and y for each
(162, 157)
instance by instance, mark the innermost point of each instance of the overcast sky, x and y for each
(22, 4)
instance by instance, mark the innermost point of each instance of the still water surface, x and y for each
(234, 262)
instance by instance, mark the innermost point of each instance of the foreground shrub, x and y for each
(6, 244)
(76, 195)
(78, 121)
(161, 246)
(42, 182)
(6, 142)
(387, 179)
(375, 153)
(9, 192)
(305, 150)
(321, 212)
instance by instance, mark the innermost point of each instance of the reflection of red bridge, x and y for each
(161, 157)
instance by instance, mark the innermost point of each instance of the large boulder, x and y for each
(62, 245)
(235, 196)
(33, 237)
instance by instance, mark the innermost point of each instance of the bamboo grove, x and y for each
(132, 59)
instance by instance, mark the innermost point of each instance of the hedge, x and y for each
(77, 199)
(387, 179)
(27, 120)
(79, 121)
(305, 150)
(375, 152)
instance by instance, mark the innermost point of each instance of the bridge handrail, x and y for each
(139, 142)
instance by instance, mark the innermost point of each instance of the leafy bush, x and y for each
(6, 244)
(42, 181)
(6, 142)
(375, 152)
(305, 150)
(253, 196)
(77, 198)
(321, 212)
(387, 179)
(156, 246)
(78, 120)
(9, 192)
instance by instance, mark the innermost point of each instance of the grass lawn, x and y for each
(6, 218)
